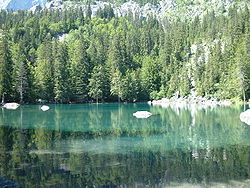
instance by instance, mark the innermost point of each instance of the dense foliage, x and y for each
(129, 59)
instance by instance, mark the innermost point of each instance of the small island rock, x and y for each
(245, 117)
(44, 108)
(142, 114)
(11, 106)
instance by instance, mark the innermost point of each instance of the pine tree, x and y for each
(106, 12)
(80, 69)
(173, 84)
(213, 70)
(99, 83)
(116, 84)
(62, 84)
(118, 56)
(150, 77)
(5, 69)
(44, 72)
(243, 65)
(20, 72)
(185, 83)
(130, 87)
(88, 11)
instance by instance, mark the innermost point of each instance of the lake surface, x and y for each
(103, 145)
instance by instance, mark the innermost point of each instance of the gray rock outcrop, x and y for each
(36, 8)
(169, 9)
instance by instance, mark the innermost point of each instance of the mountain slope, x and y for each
(170, 9)
(20, 4)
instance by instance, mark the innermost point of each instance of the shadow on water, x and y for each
(105, 146)
(6, 183)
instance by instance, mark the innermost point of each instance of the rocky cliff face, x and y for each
(20, 4)
(4, 3)
(172, 9)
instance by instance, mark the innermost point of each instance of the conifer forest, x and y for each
(65, 56)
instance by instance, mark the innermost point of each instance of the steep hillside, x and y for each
(20, 4)
(172, 9)
(61, 55)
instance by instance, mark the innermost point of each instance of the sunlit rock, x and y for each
(44, 108)
(62, 37)
(36, 8)
(245, 117)
(225, 103)
(176, 102)
(11, 106)
(142, 114)
(54, 4)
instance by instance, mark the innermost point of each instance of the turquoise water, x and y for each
(103, 145)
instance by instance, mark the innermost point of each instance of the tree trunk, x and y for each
(244, 98)
(3, 98)
(21, 92)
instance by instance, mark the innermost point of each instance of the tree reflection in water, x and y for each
(104, 145)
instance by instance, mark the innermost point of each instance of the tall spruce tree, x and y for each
(80, 69)
(20, 72)
(99, 85)
(44, 72)
(88, 11)
(151, 80)
(61, 73)
(6, 91)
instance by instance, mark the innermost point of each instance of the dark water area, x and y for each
(105, 146)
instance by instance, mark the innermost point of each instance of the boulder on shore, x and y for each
(185, 102)
(142, 114)
(44, 108)
(245, 117)
(11, 106)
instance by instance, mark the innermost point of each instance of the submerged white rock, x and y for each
(245, 117)
(44, 108)
(46, 152)
(142, 114)
(11, 106)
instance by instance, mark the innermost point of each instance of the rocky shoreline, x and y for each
(185, 102)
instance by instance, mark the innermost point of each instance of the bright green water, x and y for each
(105, 146)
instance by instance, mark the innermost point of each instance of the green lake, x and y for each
(104, 145)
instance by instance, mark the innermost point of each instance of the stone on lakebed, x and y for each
(11, 106)
(245, 117)
(142, 114)
(44, 108)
